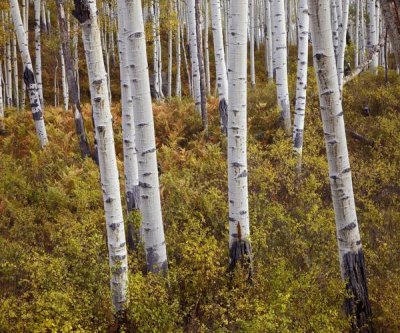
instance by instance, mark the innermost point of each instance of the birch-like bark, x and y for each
(335, 24)
(268, 41)
(64, 80)
(29, 77)
(301, 86)
(178, 81)
(357, 35)
(391, 16)
(38, 50)
(203, 88)
(73, 91)
(280, 47)
(9, 84)
(128, 125)
(15, 70)
(239, 225)
(191, 13)
(169, 93)
(220, 64)
(1, 101)
(372, 40)
(206, 50)
(342, 42)
(252, 65)
(350, 250)
(150, 204)
(86, 13)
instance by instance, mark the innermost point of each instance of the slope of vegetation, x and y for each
(54, 273)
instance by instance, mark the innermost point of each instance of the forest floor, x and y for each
(53, 255)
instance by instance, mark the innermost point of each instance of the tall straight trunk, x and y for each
(335, 24)
(73, 92)
(206, 50)
(186, 62)
(301, 86)
(357, 35)
(128, 125)
(170, 62)
(75, 56)
(252, 65)
(268, 41)
(203, 88)
(42, 15)
(191, 12)
(157, 50)
(38, 50)
(64, 80)
(86, 13)
(372, 40)
(342, 42)
(1, 101)
(150, 203)
(280, 46)
(29, 77)
(350, 250)
(9, 72)
(15, 71)
(178, 81)
(220, 63)
(239, 225)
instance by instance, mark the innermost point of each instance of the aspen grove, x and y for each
(199, 166)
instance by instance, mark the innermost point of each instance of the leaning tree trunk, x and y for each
(191, 13)
(86, 13)
(29, 77)
(301, 86)
(350, 250)
(73, 91)
(150, 204)
(280, 46)
(220, 64)
(239, 225)
(342, 42)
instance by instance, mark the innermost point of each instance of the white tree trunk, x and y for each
(29, 77)
(239, 225)
(178, 83)
(9, 84)
(1, 101)
(193, 54)
(280, 46)
(342, 42)
(220, 64)
(86, 13)
(268, 40)
(64, 81)
(301, 86)
(150, 204)
(349, 242)
(335, 24)
(206, 50)
(372, 40)
(38, 50)
(357, 35)
(170, 62)
(252, 65)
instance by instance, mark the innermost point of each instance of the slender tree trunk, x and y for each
(280, 47)
(150, 204)
(86, 13)
(342, 42)
(268, 40)
(372, 35)
(301, 86)
(178, 89)
(170, 62)
(239, 225)
(29, 77)
(220, 64)
(38, 50)
(73, 92)
(206, 50)
(350, 250)
(2, 128)
(252, 65)
(357, 36)
(391, 16)
(203, 87)
(191, 12)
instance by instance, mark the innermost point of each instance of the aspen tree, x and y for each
(301, 86)
(73, 92)
(268, 41)
(191, 13)
(15, 70)
(206, 49)
(38, 50)
(391, 16)
(220, 63)
(357, 35)
(128, 125)
(152, 228)
(178, 81)
(342, 31)
(203, 88)
(239, 225)
(86, 13)
(1, 102)
(280, 47)
(351, 255)
(252, 65)
(29, 77)
(372, 40)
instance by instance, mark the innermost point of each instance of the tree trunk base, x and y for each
(357, 304)
(240, 251)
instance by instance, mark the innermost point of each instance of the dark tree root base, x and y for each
(357, 304)
(240, 251)
(223, 113)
